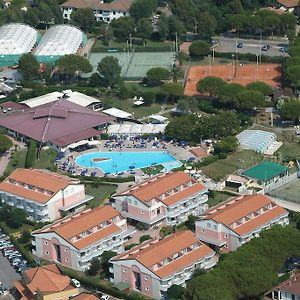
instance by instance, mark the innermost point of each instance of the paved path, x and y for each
(287, 204)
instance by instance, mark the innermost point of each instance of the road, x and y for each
(7, 273)
(249, 46)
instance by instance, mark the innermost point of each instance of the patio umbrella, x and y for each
(131, 167)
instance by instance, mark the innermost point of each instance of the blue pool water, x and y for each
(123, 161)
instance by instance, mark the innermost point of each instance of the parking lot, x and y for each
(7, 273)
(250, 46)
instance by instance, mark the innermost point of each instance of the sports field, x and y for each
(136, 64)
(289, 192)
(241, 73)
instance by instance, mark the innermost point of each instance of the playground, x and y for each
(135, 65)
(238, 73)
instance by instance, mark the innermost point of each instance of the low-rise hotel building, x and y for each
(230, 224)
(154, 266)
(42, 194)
(168, 199)
(75, 240)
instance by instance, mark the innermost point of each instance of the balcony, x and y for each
(111, 270)
(42, 212)
(33, 243)
(20, 205)
(30, 209)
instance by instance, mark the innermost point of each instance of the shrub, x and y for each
(144, 238)
(128, 247)
(31, 154)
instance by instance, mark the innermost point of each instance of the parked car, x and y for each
(7, 247)
(21, 264)
(8, 252)
(239, 45)
(265, 48)
(75, 282)
(22, 268)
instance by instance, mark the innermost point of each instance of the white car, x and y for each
(104, 297)
(75, 282)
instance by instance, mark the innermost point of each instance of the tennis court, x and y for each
(289, 192)
(241, 73)
(136, 64)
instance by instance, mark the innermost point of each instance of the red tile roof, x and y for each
(289, 3)
(234, 209)
(12, 105)
(54, 120)
(72, 226)
(292, 285)
(43, 179)
(161, 184)
(199, 152)
(153, 252)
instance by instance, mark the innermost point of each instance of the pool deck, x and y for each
(178, 152)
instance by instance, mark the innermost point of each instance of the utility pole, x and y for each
(176, 43)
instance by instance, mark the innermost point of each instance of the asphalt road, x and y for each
(249, 46)
(7, 273)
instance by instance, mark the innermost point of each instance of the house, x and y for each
(42, 194)
(236, 221)
(60, 124)
(268, 175)
(75, 240)
(155, 265)
(286, 290)
(168, 199)
(288, 5)
(45, 283)
(103, 11)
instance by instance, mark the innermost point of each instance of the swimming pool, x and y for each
(115, 162)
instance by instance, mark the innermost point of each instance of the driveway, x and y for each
(7, 273)
(250, 46)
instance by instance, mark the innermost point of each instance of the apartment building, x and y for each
(168, 198)
(105, 12)
(42, 194)
(155, 265)
(230, 224)
(75, 240)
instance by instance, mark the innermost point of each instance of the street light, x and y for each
(232, 55)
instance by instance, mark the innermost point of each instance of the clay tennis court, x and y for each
(242, 74)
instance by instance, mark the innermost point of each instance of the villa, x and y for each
(164, 199)
(155, 265)
(75, 240)
(233, 223)
(42, 194)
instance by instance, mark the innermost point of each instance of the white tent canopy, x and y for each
(132, 130)
(138, 102)
(158, 118)
(17, 39)
(117, 113)
(60, 40)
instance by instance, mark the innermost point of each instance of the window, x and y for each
(225, 236)
(226, 246)
(202, 230)
(124, 270)
(135, 202)
(46, 243)
(47, 252)
(146, 278)
(142, 212)
(215, 226)
(146, 288)
(66, 250)
(67, 260)
(208, 225)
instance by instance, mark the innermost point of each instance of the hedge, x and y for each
(136, 49)
(31, 154)
(251, 57)
(93, 179)
(25, 253)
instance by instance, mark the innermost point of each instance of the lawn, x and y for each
(100, 192)
(45, 161)
(217, 198)
(242, 159)
(291, 150)
(153, 170)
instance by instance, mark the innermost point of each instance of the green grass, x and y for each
(136, 87)
(100, 192)
(218, 197)
(153, 170)
(290, 150)
(45, 161)
(242, 159)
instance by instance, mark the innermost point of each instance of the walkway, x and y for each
(287, 204)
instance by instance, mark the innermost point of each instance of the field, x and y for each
(289, 192)
(242, 74)
(100, 192)
(136, 64)
(242, 159)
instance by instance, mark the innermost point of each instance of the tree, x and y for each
(16, 218)
(291, 110)
(207, 24)
(172, 90)
(142, 9)
(144, 28)
(105, 257)
(163, 27)
(71, 64)
(190, 223)
(199, 48)
(248, 99)
(156, 75)
(228, 92)
(25, 236)
(123, 27)
(187, 105)
(176, 72)
(260, 86)
(225, 123)
(110, 70)
(175, 291)
(84, 19)
(144, 238)
(31, 154)
(95, 266)
(293, 74)
(175, 26)
(95, 80)
(28, 66)
(5, 144)
(210, 85)
(226, 145)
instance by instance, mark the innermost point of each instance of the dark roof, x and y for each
(265, 170)
(118, 5)
(60, 120)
